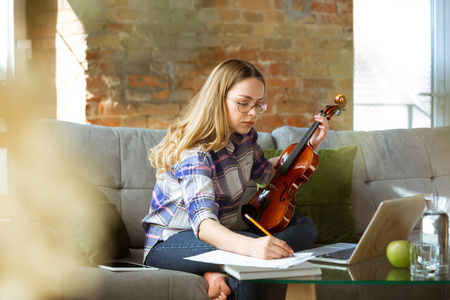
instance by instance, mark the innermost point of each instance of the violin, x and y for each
(273, 206)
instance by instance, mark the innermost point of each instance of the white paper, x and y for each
(221, 257)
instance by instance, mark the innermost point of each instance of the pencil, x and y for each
(257, 225)
(260, 227)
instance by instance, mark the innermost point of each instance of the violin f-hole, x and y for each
(282, 196)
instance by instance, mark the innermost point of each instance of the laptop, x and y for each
(393, 220)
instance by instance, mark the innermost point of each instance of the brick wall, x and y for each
(145, 59)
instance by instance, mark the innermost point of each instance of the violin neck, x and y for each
(298, 149)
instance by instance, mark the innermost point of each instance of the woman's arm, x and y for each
(219, 236)
(320, 134)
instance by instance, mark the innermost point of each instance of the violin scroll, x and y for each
(340, 100)
(331, 110)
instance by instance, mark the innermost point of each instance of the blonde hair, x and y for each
(205, 119)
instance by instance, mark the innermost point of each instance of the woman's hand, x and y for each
(321, 132)
(269, 247)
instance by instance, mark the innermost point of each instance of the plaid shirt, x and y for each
(204, 185)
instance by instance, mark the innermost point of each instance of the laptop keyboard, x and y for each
(342, 254)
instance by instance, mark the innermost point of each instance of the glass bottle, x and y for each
(434, 235)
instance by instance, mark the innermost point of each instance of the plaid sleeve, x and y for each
(195, 175)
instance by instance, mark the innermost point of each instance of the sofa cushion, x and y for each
(100, 230)
(89, 222)
(87, 283)
(327, 197)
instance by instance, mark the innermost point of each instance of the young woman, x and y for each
(203, 165)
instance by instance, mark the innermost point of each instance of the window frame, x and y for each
(441, 63)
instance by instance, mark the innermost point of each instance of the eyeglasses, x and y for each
(244, 106)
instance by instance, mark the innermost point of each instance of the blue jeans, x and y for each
(300, 234)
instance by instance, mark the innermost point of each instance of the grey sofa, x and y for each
(389, 164)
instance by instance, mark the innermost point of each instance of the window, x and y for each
(6, 38)
(6, 75)
(397, 55)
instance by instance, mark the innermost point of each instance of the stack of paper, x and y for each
(302, 270)
(245, 267)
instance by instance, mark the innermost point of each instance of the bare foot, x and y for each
(218, 287)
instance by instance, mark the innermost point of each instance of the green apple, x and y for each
(397, 253)
(398, 275)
